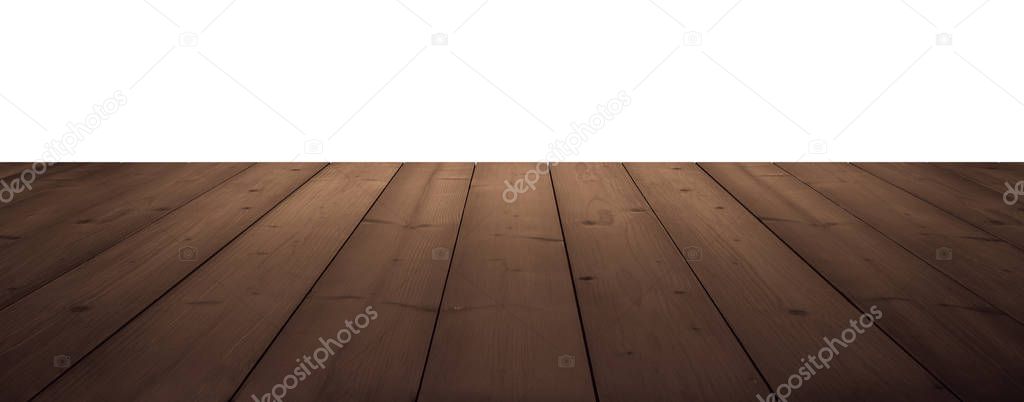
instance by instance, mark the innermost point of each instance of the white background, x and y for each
(361, 80)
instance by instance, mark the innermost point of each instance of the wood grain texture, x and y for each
(13, 169)
(48, 199)
(780, 309)
(31, 263)
(942, 324)
(62, 194)
(38, 176)
(198, 342)
(59, 197)
(509, 316)
(652, 331)
(396, 263)
(76, 312)
(958, 196)
(981, 262)
(993, 176)
(653, 282)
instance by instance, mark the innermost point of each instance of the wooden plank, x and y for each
(30, 263)
(942, 324)
(10, 171)
(780, 309)
(981, 262)
(48, 199)
(60, 182)
(13, 169)
(956, 195)
(508, 327)
(76, 312)
(96, 187)
(652, 331)
(390, 266)
(199, 341)
(993, 176)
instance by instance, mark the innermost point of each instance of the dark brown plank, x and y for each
(993, 176)
(390, 266)
(780, 309)
(30, 263)
(39, 171)
(199, 341)
(48, 199)
(13, 169)
(652, 331)
(51, 195)
(942, 324)
(508, 328)
(956, 195)
(73, 314)
(62, 195)
(981, 262)
(100, 187)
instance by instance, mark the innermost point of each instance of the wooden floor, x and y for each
(499, 282)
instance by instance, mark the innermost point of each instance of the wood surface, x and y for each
(511, 282)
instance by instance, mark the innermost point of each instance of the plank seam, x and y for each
(302, 301)
(56, 176)
(40, 177)
(944, 210)
(830, 284)
(980, 297)
(170, 288)
(119, 192)
(444, 287)
(948, 167)
(127, 236)
(699, 281)
(572, 279)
